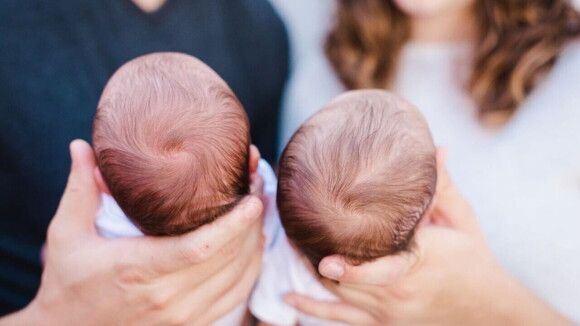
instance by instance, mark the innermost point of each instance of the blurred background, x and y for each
(498, 82)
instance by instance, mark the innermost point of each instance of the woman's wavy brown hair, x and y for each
(518, 41)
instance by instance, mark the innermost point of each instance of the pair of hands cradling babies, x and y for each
(448, 278)
(196, 278)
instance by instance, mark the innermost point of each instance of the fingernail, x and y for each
(333, 270)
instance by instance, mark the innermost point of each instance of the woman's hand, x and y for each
(449, 277)
(191, 279)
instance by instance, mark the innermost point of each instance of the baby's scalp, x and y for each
(172, 143)
(357, 177)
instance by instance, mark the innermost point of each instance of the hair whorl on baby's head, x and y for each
(172, 143)
(357, 177)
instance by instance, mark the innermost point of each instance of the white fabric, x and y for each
(284, 271)
(111, 222)
(523, 179)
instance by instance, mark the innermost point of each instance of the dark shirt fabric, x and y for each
(55, 58)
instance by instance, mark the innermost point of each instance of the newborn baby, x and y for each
(173, 150)
(355, 180)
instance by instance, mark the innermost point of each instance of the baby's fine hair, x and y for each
(172, 143)
(357, 177)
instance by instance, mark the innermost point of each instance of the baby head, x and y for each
(356, 179)
(172, 143)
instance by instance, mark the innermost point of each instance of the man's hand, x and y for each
(191, 279)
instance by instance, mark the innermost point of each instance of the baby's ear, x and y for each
(254, 158)
(101, 182)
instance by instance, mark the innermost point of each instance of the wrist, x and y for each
(29, 315)
(32, 314)
(512, 303)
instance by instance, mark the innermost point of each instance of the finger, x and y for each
(180, 299)
(238, 295)
(336, 311)
(237, 253)
(359, 295)
(222, 284)
(181, 282)
(383, 271)
(162, 255)
(78, 206)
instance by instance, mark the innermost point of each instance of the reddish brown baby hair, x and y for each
(357, 177)
(172, 143)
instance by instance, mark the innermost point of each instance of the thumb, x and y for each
(383, 271)
(79, 204)
(451, 208)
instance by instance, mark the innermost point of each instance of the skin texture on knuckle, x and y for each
(194, 253)
(395, 276)
(76, 288)
(403, 291)
(128, 274)
(230, 250)
(157, 299)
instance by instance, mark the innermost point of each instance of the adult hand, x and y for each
(190, 279)
(449, 277)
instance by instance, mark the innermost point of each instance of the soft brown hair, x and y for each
(518, 41)
(172, 143)
(356, 178)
